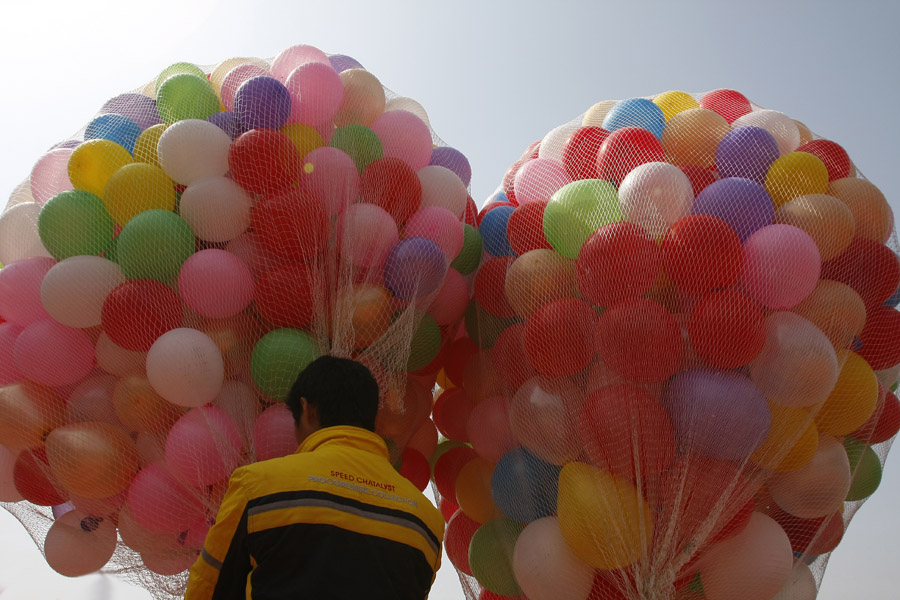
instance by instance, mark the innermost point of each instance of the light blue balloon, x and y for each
(116, 128)
(636, 112)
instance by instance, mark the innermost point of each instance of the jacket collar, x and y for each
(345, 435)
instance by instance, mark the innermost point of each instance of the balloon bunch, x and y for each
(675, 372)
(170, 272)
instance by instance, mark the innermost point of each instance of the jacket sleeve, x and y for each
(221, 570)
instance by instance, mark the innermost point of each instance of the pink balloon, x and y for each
(50, 175)
(273, 433)
(781, 266)
(450, 302)
(215, 283)
(234, 79)
(196, 533)
(52, 354)
(20, 290)
(405, 136)
(316, 93)
(438, 225)
(9, 373)
(489, 430)
(538, 179)
(92, 400)
(203, 446)
(293, 57)
(365, 235)
(160, 504)
(332, 177)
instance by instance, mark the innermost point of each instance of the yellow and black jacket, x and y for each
(333, 521)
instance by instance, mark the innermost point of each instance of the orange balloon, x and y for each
(92, 459)
(473, 491)
(827, 220)
(836, 309)
(538, 277)
(141, 409)
(853, 399)
(78, 543)
(543, 416)
(369, 309)
(792, 440)
(805, 134)
(692, 136)
(873, 215)
(28, 412)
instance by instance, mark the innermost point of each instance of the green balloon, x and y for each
(359, 142)
(491, 554)
(111, 252)
(425, 345)
(577, 210)
(75, 222)
(177, 69)
(484, 328)
(469, 256)
(153, 245)
(865, 467)
(279, 357)
(186, 96)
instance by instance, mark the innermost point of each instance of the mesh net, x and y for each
(171, 268)
(676, 375)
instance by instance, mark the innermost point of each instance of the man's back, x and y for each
(334, 520)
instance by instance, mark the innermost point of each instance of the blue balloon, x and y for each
(493, 231)
(114, 128)
(524, 487)
(227, 122)
(636, 112)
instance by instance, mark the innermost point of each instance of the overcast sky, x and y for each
(493, 76)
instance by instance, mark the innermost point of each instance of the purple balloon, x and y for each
(414, 268)
(745, 205)
(67, 144)
(227, 122)
(340, 62)
(721, 414)
(747, 152)
(137, 107)
(262, 103)
(453, 159)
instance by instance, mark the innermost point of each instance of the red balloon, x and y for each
(559, 337)
(702, 253)
(617, 262)
(264, 161)
(881, 337)
(884, 422)
(870, 268)
(293, 225)
(626, 148)
(458, 354)
(699, 177)
(508, 357)
(627, 432)
(34, 481)
(611, 585)
(580, 152)
(489, 595)
(836, 159)
(137, 312)
(727, 329)
(728, 103)
(447, 469)
(414, 466)
(509, 179)
(451, 414)
(737, 522)
(533, 150)
(470, 216)
(457, 536)
(425, 439)
(640, 340)
(284, 295)
(490, 287)
(393, 185)
(525, 228)
(448, 508)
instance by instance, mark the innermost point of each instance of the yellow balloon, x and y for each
(604, 519)
(836, 309)
(673, 102)
(473, 491)
(792, 440)
(595, 115)
(796, 174)
(93, 162)
(537, 278)
(873, 215)
(364, 99)
(145, 146)
(827, 220)
(135, 188)
(853, 398)
(92, 459)
(692, 136)
(305, 137)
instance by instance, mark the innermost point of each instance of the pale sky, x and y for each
(493, 76)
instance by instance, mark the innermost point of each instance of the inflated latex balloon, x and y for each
(79, 543)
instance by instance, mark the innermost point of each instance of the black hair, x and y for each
(342, 390)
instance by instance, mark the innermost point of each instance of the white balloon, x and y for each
(117, 360)
(74, 289)
(409, 105)
(216, 208)
(554, 142)
(801, 585)
(442, 187)
(545, 567)
(192, 149)
(819, 487)
(655, 195)
(185, 367)
(21, 193)
(19, 236)
(782, 127)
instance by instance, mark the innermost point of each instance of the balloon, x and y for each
(160, 503)
(192, 149)
(791, 442)
(19, 236)
(537, 278)
(451, 414)
(92, 459)
(545, 567)
(781, 266)
(405, 136)
(872, 215)
(447, 468)
(524, 229)
(294, 57)
(8, 491)
(360, 143)
(797, 365)
(186, 96)
(473, 491)
(116, 360)
(702, 253)
(391, 184)
(450, 303)
(137, 107)
(457, 539)
(491, 556)
(559, 337)
(75, 222)
(264, 161)
(810, 537)
(625, 149)
(262, 103)
(827, 220)
(580, 152)
(234, 78)
(316, 93)
(140, 408)
(292, 225)
(34, 480)
(801, 584)
(50, 175)
(363, 101)
(74, 289)
(870, 268)
(145, 148)
(137, 312)
(796, 174)
(494, 230)
(553, 145)
(91, 400)
(692, 136)
(539, 179)
(576, 211)
(28, 412)
(445, 156)
(116, 128)
(673, 102)
(655, 195)
(524, 487)
(424, 345)
(727, 329)
(865, 467)
(882, 325)
(185, 367)
(279, 357)
(837, 310)
(616, 262)
(215, 283)
(442, 187)
(216, 209)
(53, 354)
(728, 103)
(371, 309)
(9, 373)
(603, 518)
(743, 205)
(490, 286)
(203, 446)
(93, 163)
(425, 439)
(414, 268)
(305, 139)
(469, 256)
(781, 126)
(154, 245)
(488, 428)
(176, 69)
(635, 112)
(273, 433)
(78, 543)
(884, 422)
(596, 113)
(331, 176)
(853, 398)
(819, 487)
(747, 152)
(20, 290)
(832, 155)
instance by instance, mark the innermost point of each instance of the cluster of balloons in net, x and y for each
(676, 378)
(172, 268)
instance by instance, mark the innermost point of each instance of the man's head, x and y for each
(333, 391)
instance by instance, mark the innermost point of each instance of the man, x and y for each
(334, 520)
